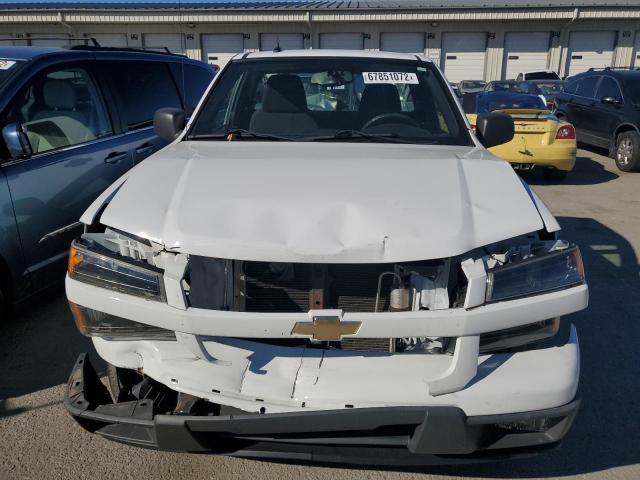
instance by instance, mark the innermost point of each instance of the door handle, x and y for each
(115, 157)
(145, 148)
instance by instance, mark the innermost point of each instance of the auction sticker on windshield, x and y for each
(390, 77)
(6, 64)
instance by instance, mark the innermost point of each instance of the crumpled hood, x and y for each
(322, 202)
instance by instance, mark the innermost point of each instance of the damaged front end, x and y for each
(448, 357)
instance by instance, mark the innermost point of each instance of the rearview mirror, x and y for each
(610, 100)
(168, 123)
(16, 141)
(494, 129)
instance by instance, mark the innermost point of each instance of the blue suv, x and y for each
(73, 121)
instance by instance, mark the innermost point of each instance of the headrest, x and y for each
(284, 94)
(59, 94)
(469, 102)
(379, 98)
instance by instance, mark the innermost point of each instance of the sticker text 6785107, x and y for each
(390, 77)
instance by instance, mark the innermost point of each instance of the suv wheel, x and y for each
(627, 153)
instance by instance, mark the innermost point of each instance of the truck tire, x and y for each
(627, 151)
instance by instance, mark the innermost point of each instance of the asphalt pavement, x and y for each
(598, 207)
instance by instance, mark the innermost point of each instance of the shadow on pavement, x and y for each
(38, 345)
(586, 172)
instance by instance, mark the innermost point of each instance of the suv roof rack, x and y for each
(600, 69)
(91, 43)
(159, 50)
(62, 37)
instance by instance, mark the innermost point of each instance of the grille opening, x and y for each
(286, 287)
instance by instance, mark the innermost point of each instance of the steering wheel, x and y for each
(393, 117)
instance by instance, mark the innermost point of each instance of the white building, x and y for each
(469, 39)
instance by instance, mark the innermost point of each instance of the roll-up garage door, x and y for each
(219, 48)
(342, 41)
(109, 39)
(286, 41)
(403, 42)
(525, 52)
(49, 40)
(171, 41)
(463, 55)
(590, 50)
(8, 40)
(636, 51)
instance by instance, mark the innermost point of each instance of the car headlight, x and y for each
(537, 274)
(93, 323)
(98, 266)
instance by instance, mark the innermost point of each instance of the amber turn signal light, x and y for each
(75, 259)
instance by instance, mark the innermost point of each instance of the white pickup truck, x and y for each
(327, 264)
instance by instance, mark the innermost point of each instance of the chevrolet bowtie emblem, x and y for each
(326, 326)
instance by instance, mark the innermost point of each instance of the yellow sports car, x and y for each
(541, 141)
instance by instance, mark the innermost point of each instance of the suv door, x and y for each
(76, 154)
(608, 112)
(140, 87)
(583, 106)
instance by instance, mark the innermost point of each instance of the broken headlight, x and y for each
(538, 274)
(98, 266)
(93, 323)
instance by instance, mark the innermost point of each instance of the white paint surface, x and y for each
(333, 203)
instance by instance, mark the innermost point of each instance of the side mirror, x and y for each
(16, 141)
(168, 123)
(610, 100)
(494, 129)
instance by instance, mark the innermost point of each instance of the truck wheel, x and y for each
(554, 174)
(121, 381)
(627, 153)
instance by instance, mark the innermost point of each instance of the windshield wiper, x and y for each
(240, 133)
(346, 134)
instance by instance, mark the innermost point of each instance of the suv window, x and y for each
(609, 88)
(587, 87)
(196, 81)
(144, 87)
(60, 108)
(572, 87)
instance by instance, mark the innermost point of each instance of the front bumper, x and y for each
(374, 436)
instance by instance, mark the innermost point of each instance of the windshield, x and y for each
(505, 87)
(489, 102)
(552, 88)
(8, 68)
(472, 84)
(341, 99)
(542, 76)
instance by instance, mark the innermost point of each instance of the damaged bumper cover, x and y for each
(384, 435)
